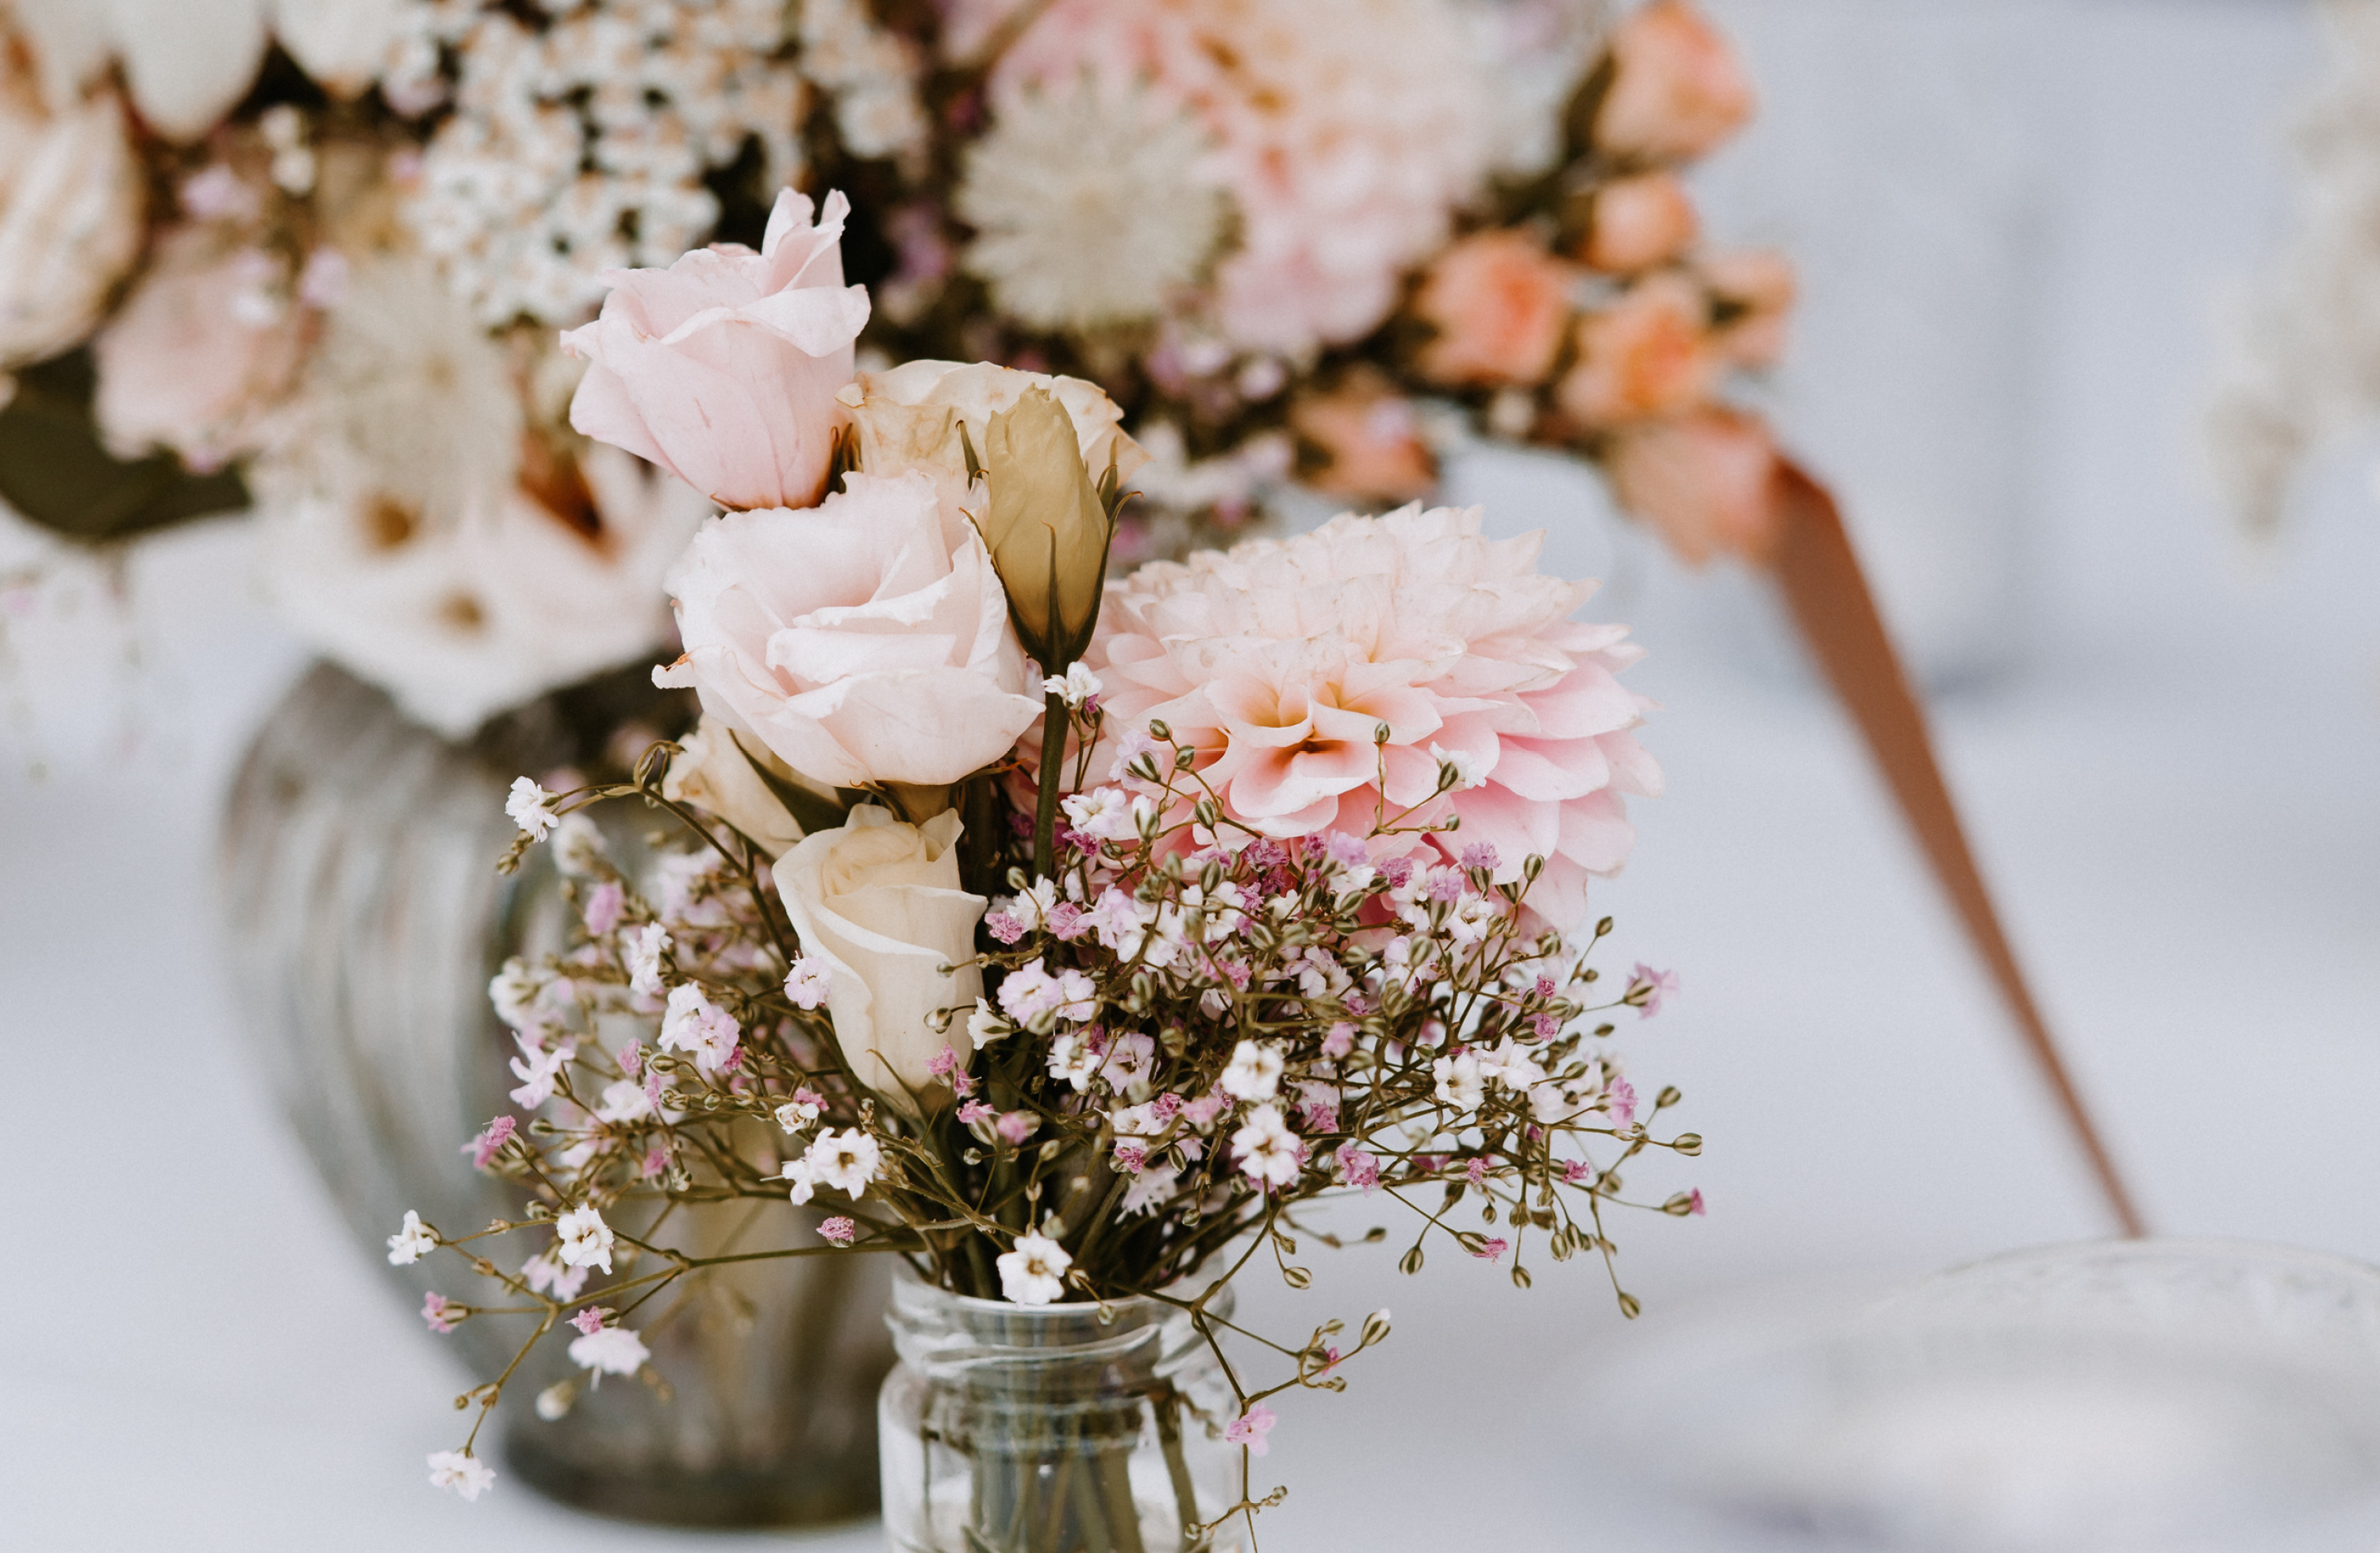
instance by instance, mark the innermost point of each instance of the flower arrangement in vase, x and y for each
(1067, 941)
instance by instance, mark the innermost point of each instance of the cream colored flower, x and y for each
(880, 901)
(70, 220)
(717, 773)
(1089, 207)
(909, 418)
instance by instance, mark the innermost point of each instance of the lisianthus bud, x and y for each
(1046, 527)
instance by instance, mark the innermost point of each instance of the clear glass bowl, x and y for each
(2122, 1397)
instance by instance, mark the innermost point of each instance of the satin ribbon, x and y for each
(1829, 595)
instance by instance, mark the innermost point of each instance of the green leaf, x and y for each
(54, 470)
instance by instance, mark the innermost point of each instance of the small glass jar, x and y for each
(1068, 1428)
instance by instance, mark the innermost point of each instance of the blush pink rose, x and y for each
(723, 369)
(1676, 89)
(1499, 301)
(203, 349)
(1647, 354)
(1706, 482)
(864, 642)
(1369, 441)
(1636, 223)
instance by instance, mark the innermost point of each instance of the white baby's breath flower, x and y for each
(984, 1026)
(531, 807)
(809, 980)
(578, 846)
(553, 1402)
(1089, 207)
(412, 1242)
(1253, 1071)
(1035, 1273)
(460, 1471)
(1077, 685)
(583, 1239)
(1109, 813)
(646, 946)
(1460, 1084)
(795, 1115)
(847, 1160)
(804, 1178)
(610, 1350)
(1467, 771)
(1266, 1149)
(625, 1101)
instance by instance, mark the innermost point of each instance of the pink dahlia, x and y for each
(1279, 660)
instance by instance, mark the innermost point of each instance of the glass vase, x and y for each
(365, 918)
(1070, 1428)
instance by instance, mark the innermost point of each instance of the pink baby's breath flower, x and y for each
(1477, 1174)
(809, 980)
(656, 1161)
(1481, 855)
(1545, 1027)
(1623, 1102)
(1004, 927)
(590, 1321)
(1695, 1202)
(1339, 1040)
(1203, 1110)
(441, 1313)
(1250, 1429)
(1017, 1125)
(1490, 1249)
(839, 1229)
(604, 904)
(1067, 921)
(1166, 1107)
(1358, 1169)
(975, 1111)
(1131, 1158)
(940, 1063)
(1648, 988)
(492, 1138)
(631, 1058)
(1573, 1172)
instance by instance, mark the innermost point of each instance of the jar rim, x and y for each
(1132, 1310)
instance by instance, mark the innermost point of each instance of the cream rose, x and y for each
(880, 900)
(717, 773)
(864, 641)
(70, 213)
(909, 418)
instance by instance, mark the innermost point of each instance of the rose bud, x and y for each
(1046, 527)
(1636, 223)
(1676, 89)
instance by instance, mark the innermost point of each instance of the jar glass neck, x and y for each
(992, 1344)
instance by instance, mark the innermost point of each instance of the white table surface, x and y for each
(2177, 797)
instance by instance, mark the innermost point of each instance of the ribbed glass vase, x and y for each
(1070, 1428)
(366, 918)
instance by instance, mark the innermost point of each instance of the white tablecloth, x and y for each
(2178, 796)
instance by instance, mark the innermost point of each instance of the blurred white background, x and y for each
(2168, 747)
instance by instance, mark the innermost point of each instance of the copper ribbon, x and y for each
(1829, 595)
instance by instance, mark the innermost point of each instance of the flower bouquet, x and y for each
(1068, 941)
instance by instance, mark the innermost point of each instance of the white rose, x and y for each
(865, 640)
(909, 418)
(716, 772)
(70, 222)
(880, 900)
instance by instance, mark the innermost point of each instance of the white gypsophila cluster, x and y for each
(1087, 211)
(2305, 358)
(582, 146)
(871, 75)
(1536, 51)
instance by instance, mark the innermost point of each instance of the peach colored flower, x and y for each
(1499, 301)
(1755, 291)
(1647, 354)
(1677, 89)
(1368, 439)
(1279, 660)
(1636, 223)
(1704, 481)
(204, 347)
(867, 641)
(723, 369)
